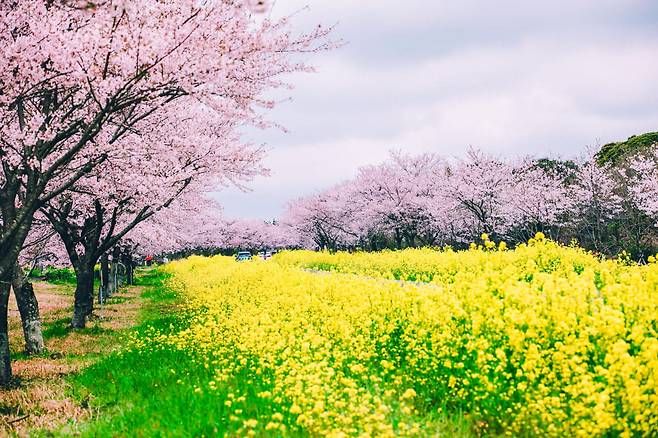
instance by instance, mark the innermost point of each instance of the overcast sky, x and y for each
(509, 77)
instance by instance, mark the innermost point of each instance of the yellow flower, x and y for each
(512, 331)
(409, 393)
(251, 423)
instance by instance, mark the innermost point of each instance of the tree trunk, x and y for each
(29, 310)
(410, 238)
(84, 294)
(105, 277)
(5, 364)
(398, 239)
(113, 280)
(128, 262)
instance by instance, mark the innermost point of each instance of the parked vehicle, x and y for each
(242, 256)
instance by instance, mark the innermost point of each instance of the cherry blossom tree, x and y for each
(636, 226)
(100, 209)
(481, 185)
(424, 200)
(257, 235)
(193, 221)
(644, 187)
(76, 82)
(595, 202)
(325, 220)
(537, 201)
(403, 197)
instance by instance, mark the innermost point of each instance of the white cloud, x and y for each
(511, 77)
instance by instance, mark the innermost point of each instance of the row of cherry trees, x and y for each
(115, 117)
(425, 200)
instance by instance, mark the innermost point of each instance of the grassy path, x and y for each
(44, 399)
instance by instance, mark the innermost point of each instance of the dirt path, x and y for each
(41, 399)
(51, 297)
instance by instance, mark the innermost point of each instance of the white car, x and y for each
(242, 256)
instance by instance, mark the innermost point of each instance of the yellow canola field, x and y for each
(542, 340)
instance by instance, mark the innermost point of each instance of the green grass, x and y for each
(161, 391)
(139, 394)
(59, 276)
(61, 327)
(57, 328)
(116, 299)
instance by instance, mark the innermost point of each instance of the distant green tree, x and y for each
(613, 153)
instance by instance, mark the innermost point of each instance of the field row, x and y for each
(542, 340)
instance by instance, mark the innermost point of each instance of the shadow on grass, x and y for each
(61, 327)
(57, 328)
